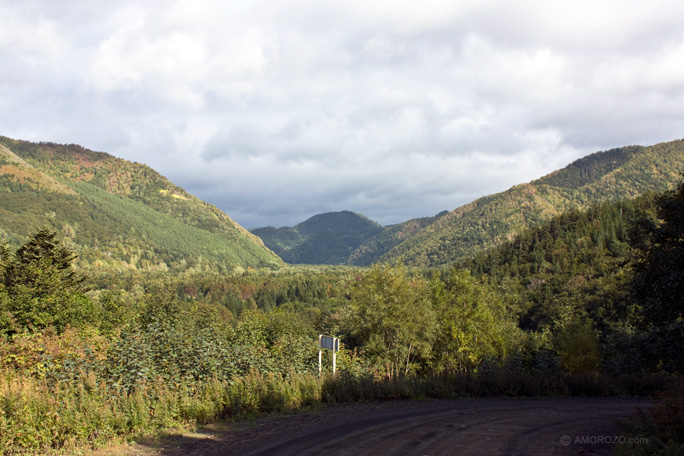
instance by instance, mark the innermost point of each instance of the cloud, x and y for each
(275, 111)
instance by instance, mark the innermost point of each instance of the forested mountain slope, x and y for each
(322, 239)
(611, 175)
(393, 235)
(116, 214)
(578, 259)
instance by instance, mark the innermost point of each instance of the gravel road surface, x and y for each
(461, 427)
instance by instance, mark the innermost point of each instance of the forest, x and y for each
(117, 215)
(588, 303)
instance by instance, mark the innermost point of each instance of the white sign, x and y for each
(329, 343)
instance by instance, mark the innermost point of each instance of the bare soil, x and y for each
(464, 427)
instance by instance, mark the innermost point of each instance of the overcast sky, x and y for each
(278, 110)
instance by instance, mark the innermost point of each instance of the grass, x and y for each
(59, 418)
(84, 413)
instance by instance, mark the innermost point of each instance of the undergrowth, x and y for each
(37, 415)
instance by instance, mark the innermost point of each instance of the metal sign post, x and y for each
(329, 343)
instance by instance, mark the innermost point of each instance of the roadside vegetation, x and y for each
(588, 304)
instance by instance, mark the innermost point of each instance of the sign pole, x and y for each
(320, 354)
(329, 343)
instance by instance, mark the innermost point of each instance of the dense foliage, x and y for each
(659, 279)
(393, 320)
(572, 277)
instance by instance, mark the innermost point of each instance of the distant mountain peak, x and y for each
(327, 238)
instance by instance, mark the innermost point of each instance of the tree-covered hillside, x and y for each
(322, 239)
(393, 235)
(615, 268)
(577, 259)
(615, 174)
(586, 304)
(116, 214)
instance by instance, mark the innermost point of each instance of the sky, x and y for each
(275, 111)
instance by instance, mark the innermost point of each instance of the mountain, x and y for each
(116, 214)
(322, 239)
(610, 175)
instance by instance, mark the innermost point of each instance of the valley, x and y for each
(129, 308)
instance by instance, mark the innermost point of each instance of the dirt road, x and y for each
(463, 427)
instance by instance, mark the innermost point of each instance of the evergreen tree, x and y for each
(41, 287)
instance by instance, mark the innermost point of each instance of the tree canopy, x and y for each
(393, 318)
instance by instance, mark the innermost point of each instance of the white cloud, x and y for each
(182, 64)
(277, 110)
(28, 36)
(513, 75)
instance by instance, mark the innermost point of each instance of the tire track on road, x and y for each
(510, 427)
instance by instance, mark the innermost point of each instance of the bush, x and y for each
(660, 433)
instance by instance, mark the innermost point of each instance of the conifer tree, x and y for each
(40, 285)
